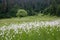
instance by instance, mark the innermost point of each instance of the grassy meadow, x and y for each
(41, 33)
(29, 32)
(18, 20)
(29, 19)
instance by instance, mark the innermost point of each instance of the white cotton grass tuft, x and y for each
(29, 25)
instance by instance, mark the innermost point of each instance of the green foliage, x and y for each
(12, 12)
(32, 8)
(0, 6)
(21, 13)
(32, 13)
(58, 10)
(53, 9)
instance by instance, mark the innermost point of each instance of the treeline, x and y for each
(54, 8)
(10, 8)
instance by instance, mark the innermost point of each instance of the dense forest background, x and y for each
(10, 8)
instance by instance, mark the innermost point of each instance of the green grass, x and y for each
(26, 19)
(41, 33)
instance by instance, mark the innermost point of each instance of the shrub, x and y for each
(21, 13)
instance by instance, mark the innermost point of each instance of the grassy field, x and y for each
(14, 32)
(8, 21)
(41, 33)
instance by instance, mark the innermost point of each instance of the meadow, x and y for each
(40, 33)
(30, 28)
(29, 19)
(18, 20)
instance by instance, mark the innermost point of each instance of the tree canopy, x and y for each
(31, 6)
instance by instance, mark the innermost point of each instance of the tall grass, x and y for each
(31, 28)
(26, 19)
(39, 33)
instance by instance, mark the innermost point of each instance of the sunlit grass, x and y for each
(11, 28)
(26, 19)
(39, 33)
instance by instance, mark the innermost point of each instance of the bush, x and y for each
(21, 13)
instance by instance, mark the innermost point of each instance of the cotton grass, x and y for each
(31, 31)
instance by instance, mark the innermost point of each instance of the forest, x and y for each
(10, 8)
